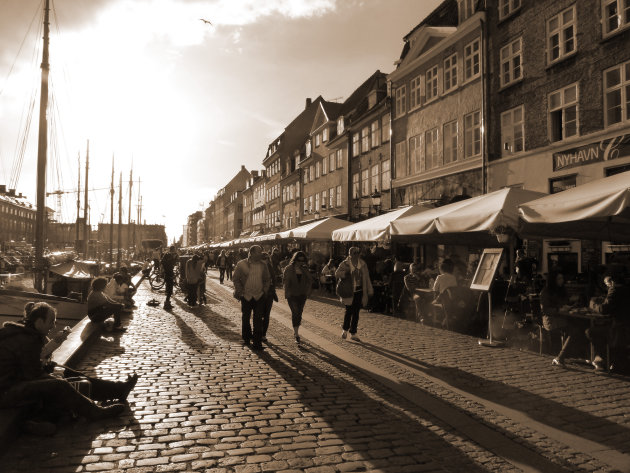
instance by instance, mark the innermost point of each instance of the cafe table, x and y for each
(594, 318)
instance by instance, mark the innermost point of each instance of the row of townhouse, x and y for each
(17, 217)
(485, 94)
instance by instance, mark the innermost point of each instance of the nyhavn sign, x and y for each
(604, 150)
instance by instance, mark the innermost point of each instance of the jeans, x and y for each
(221, 275)
(267, 313)
(296, 304)
(351, 318)
(55, 395)
(103, 313)
(169, 282)
(258, 308)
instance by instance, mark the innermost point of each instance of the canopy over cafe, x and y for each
(561, 167)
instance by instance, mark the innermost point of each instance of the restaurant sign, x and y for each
(604, 150)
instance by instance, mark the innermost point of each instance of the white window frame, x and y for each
(374, 182)
(511, 55)
(365, 182)
(324, 166)
(375, 133)
(318, 140)
(325, 134)
(432, 84)
(450, 73)
(324, 199)
(340, 125)
(331, 198)
(622, 16)
(331, 159)
(316, 202)
(557, 26)
(563, 104)
(318, 169)
(415, 157)
(466, 9)
(385, 131)
(400, 103)
(365, 139)
(400, 157)
(451, 142)
(415, 92)
(508, 8)
(513, 131)
(311, 173)
(356, 145)
(622, 88)
(472, 134)
(431, 149)
(339, 164)
(356, 186)
(472, 60)
(308, 148)
(338, 199)
(385, 174)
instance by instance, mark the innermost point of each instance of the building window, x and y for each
(432, 83)
(324, 198)
(324, 166)
(331, 158)
(401, 159)
(365, 139)
(339, 158)
(318, 140)
(340, 126)
(331, 198)
(385, 128)
(472, 60)
(385, 175)
(355, 144)
(414, 164)
(450, 73)
(316, 202)
(325, 134)
(616, 170)
(318, 169)
(512, 131)
(365, 182)
(311, 173)
(511, 62)
(561, 35)
(414, 93)
(466, 9)
(617, 93)
(450, 142)
(507, 7)
(400, 103)
(615, 15)
(375, 184)
(472, 134)
(355, 185)
(338, 196)
(305, 175)
(310, 203)
(559, 184)
(308, 148)
(375, 134)
(563, 113)
(431, 152)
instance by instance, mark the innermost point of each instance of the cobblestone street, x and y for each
(407, 398)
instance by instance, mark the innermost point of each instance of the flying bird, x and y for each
(206, 21)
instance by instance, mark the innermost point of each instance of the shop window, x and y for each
(563, 183)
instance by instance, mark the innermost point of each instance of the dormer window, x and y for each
(308, 148)
(371, 99)
(340, 126)
(466, 9)
(325, 134)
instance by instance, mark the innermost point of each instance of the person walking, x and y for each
(251, 283)
(229, 265)
(169, 260)
(298, 285)
(354, 289)
(193, 278)
(222, 265)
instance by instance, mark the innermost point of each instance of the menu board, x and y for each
(486, 269)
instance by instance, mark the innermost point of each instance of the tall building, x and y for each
(438, 108)
(17, 217)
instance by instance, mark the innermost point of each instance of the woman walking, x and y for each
(354, 288)
(222, 265)
(298, 285)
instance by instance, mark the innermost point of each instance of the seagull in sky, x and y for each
(206, 21)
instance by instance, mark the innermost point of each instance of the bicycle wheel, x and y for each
(156, 280)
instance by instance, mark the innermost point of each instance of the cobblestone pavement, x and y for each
(408, 398)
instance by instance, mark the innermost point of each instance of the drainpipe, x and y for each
(484, 105)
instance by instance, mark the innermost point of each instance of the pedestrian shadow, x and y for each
(544, 410)
(189, 336)
(365, 424)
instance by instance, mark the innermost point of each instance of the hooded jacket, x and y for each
(20, 351)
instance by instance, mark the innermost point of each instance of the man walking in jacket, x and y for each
(251, 282)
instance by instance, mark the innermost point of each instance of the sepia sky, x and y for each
(188, 102)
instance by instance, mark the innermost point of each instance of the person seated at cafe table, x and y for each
(554, 303)
(616, 304)
(413, 282)
(446, 278)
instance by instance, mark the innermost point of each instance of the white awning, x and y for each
(598, 210)
(375, 228)
(320, 230)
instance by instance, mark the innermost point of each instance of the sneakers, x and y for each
(598, 365)
(557, 362)
(297, 339)
(344, 334)
(355, 337)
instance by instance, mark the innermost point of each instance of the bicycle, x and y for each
(156, 279)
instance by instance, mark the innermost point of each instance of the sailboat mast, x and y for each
(86, 228)
(111, 220)
(129, 243)
(76, 239)
(40, 217)
(119, 222)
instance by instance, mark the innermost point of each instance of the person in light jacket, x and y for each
(298, 284)
(354, 289)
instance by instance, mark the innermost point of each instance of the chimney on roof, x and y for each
(11, 193)
(242, 167)
(308, 102)
(3, 189)
(20, 196)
